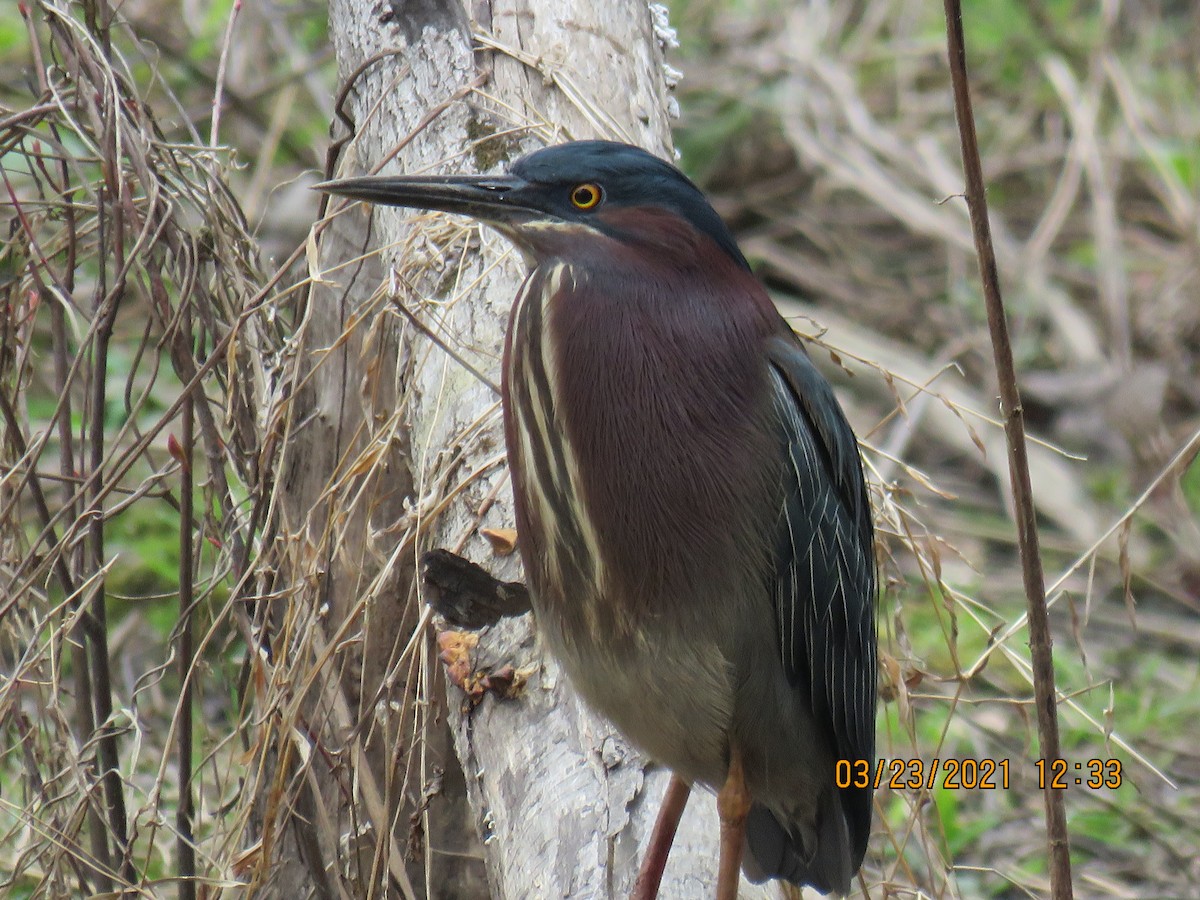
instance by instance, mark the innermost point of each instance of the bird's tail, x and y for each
(821, 858)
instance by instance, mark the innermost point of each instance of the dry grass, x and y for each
(138, 361)
(149, 354)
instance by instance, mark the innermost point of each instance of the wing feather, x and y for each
(825, 578)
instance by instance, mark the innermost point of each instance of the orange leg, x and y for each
(733, 805)
(655, 860)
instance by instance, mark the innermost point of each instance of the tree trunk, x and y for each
(396, 447)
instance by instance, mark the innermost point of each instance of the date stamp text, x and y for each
(954, 774)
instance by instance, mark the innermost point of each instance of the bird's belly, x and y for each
(672, 699)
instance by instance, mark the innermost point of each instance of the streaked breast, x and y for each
(566, 557)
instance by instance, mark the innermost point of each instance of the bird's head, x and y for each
(571, 200)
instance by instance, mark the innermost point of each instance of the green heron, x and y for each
(690, 502)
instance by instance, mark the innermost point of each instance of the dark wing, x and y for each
(825, 567)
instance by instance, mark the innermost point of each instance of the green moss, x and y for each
(489, 148)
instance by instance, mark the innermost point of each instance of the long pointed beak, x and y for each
(491, 198)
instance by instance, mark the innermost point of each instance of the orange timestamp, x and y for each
(1093, 773)
(972, 774)
(915, 774)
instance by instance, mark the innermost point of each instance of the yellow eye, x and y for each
(585, 196)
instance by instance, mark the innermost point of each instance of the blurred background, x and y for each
(824, 133)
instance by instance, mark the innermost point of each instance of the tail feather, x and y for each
(821, 858)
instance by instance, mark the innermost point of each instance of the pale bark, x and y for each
(561, 802)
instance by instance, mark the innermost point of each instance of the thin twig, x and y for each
(106, 744)
(185, 812)
(226, 43)
(1040, 641)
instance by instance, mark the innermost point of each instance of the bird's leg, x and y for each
(655, 860)
(733, 805)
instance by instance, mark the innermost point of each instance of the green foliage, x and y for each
(961, 831)
(145, 540)
(13, 36)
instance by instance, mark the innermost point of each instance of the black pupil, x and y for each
(585, 196)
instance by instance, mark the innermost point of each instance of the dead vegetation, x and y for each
(152, 283)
